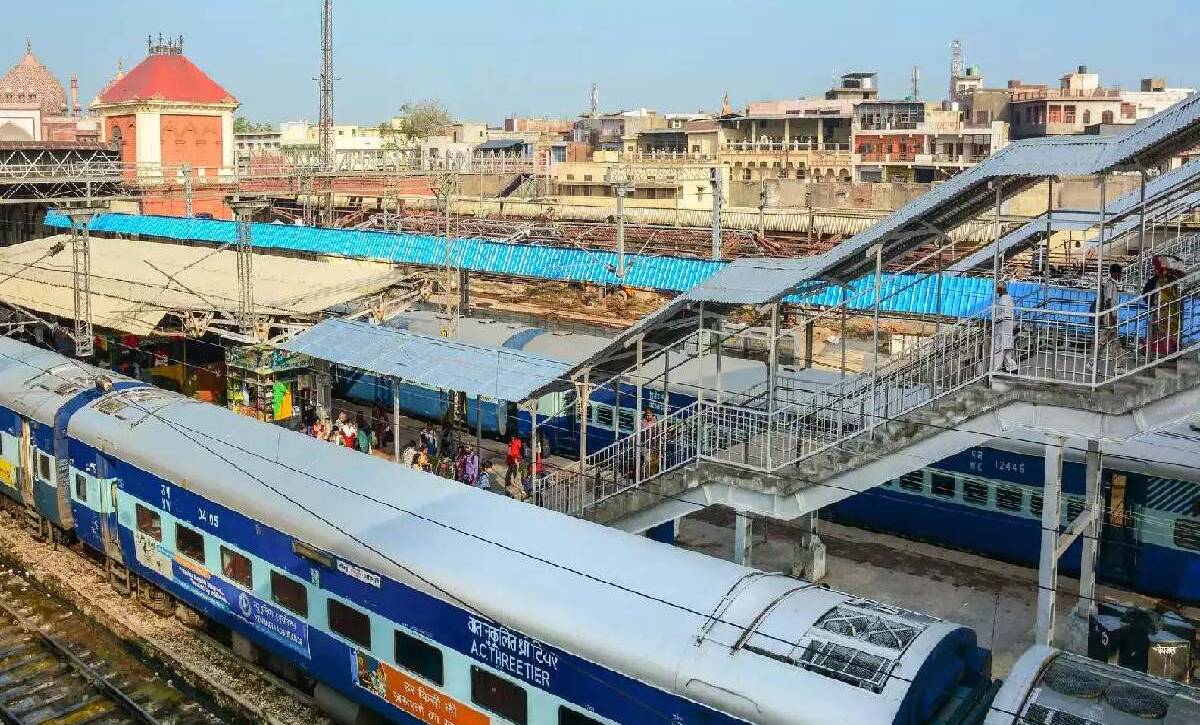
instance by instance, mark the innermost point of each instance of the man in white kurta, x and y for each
(1003, 326)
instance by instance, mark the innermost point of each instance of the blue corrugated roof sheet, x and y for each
(904, 294)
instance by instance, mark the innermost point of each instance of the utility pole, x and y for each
(81, 278)
(762, 208)
(325, 137)
(715, 182)
(445, 191)
(187, 189)
(621, 187)
(244, 210)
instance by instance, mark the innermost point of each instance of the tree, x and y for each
(422, 119)
(241, 124)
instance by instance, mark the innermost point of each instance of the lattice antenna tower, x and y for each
(326, 83)
(916, 83)
(956, 65)
(594, 98)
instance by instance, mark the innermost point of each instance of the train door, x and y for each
(108, 509)
(27, 463)
(1118, 535)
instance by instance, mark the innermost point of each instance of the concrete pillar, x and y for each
(820, 134)
(743, 538)
(464, 292)
(808, 343)
(1048, 563)
(810, 555)
(1093, 503)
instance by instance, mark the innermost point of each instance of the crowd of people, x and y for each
(435, 452)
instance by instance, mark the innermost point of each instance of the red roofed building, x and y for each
(166, 112)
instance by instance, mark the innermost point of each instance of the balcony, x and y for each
(664, 156)
(781, 147)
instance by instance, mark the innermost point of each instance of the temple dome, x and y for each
(29, 83)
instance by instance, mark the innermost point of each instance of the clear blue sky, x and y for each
(485, 59)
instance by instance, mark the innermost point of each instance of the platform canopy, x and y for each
(436, 362)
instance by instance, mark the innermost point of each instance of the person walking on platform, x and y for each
(513, 460)
(1003, 329)
(408, 456)
(484, 480)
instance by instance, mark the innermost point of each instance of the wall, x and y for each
(194, 139)
(796, 193)
(127, 127)
(1072, 193)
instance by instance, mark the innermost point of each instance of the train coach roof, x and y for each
(616, 598)
(37, 382)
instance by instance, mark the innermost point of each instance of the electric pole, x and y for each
(81, 278)
(715, 181)
(325, 132)
(244, 210)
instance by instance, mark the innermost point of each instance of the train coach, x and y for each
(403, 596)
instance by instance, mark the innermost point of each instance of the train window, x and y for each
(626, 419)
(912, 482)
(1035, 504)
(604, 416)
(80, 487)
(189, 542)
(1074, 509)
(236, 567)
(350, 623)
(975, 492)
(941, 485)
(149, 523)
(1008, 499)
(289, 594)
(567, 716)
(507, 699)
(1187, 534)
(420, 657)
(44, 467)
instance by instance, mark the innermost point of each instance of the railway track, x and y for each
(57, 668)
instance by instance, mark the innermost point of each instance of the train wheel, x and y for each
(119, 577)
(153, 598)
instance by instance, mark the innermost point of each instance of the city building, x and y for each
(678, 185)
(1078, 102)
(616, 131)
(164, 113)
(858, 86)
(1154, 96)
(916, 141)
(256, 147)
(558, 126)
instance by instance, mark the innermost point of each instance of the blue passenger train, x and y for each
(403, 596)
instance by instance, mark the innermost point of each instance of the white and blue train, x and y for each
(985, 499)
(407, 597)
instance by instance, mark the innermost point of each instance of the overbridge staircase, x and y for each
(785, 457)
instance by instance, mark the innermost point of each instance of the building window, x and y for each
(1106, 117)
(350, 623)
(236, 567)
(1087, 117)
(1069, 113)
(1055, 114)
(289, 594)
(149, 522)
(189, 543)
(507, 699)
(419, 657)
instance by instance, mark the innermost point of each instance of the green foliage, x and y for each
(422, 119)
(241, 124)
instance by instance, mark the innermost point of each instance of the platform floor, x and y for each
(994, 598)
